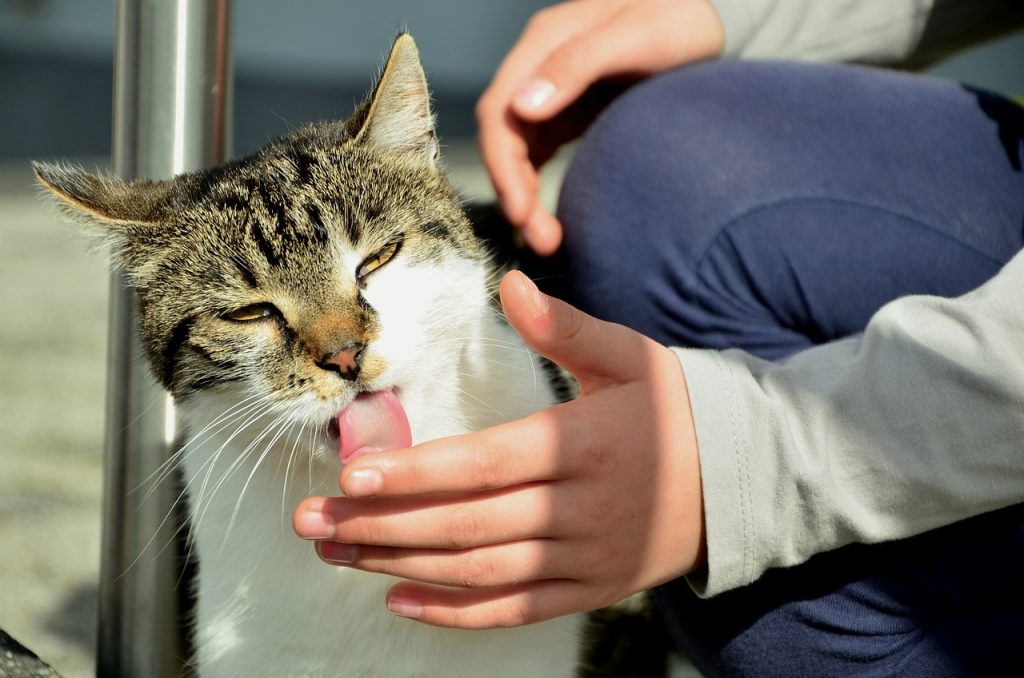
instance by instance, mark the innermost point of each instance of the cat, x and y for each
(332, 266)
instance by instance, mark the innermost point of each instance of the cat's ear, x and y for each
(106, 202)
(103, 201)
(399, 116)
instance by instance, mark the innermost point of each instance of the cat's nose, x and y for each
(346, 361)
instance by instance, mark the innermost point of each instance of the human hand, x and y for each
(536, 101)
(570, 509)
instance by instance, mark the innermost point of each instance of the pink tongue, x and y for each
(373, 422)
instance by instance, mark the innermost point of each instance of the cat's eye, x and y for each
(377, 259)
(252, 312)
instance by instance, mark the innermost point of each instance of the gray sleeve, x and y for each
(917, 423)
(908, 32)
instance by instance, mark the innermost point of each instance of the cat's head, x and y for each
(334, 261)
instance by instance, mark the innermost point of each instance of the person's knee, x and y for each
(661, 148)
(643, 196)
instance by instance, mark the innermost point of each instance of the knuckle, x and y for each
(364, 531)
(461, 529)
(598, 456)
(597, 509)
(566, 59)
(606, 555)
(462, 619)
(488, 468)
(541, 19)
(476, 572)
(513, 613)
(574, 323)
(384, 561)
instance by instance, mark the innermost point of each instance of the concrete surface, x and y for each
(52, 348)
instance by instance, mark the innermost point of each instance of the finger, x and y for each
(502, 142)
(609, 49)
(633, 40)
(505, 154)
(542, 231)
(483, 519)
(499, 457)
(489, 608)
(487, 566)
(591, 349)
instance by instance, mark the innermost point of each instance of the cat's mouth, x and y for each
(374, 421)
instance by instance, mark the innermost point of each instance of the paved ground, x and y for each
(52, 337)
(53, 299)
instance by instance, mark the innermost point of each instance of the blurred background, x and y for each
(293, 62)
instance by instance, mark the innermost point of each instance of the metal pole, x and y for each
(172, 98)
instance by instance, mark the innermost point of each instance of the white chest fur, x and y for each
(268, 607)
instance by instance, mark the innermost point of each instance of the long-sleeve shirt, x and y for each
(904, 32)
(916, 423)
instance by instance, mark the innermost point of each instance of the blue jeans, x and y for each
(774, 206)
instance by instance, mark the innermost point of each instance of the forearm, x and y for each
(913, 425)
(908, 32)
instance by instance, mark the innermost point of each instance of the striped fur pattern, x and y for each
(263, 228)
(247, 276)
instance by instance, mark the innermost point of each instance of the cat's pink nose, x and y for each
(346, 361)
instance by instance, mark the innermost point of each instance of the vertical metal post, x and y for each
(172, 99)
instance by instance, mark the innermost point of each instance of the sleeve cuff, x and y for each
(723, 443)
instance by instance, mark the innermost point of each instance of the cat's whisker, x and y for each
(167, 516)
(311, 447)
(170, 512)
(200, 508)
(245, 402)
(288, 467)
(480, 400)
(179, 457)
(165, 469)
(499, 363)
(282, 424)
(239, 460)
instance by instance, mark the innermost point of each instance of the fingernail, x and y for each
(538, 299)
(535, 93)
(314, 525)
(341, 554)
(405, 607)
(363, 482)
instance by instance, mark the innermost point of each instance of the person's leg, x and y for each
(773, 206)
(770, 207)
(948, 602)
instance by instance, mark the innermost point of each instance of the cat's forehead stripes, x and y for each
(289, 225)
(244, 271)
(306, 165)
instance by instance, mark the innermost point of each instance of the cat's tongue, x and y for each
(373, 422)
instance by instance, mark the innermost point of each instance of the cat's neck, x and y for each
(502, 380)
(496, 379)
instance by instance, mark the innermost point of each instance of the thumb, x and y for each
(616, 47)
(566, 73)
(590, 349)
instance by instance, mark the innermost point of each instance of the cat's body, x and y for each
(333, 264)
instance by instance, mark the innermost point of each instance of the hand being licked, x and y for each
(570, 509)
